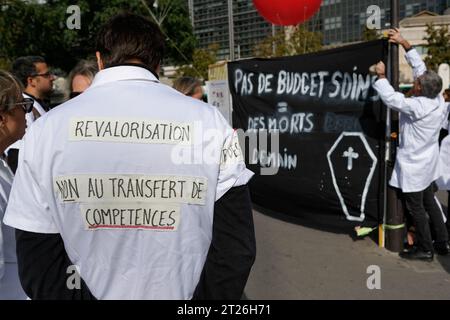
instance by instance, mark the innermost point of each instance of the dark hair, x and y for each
(25, 67)
(129, 36)
(10, 91)
(431, 84)
(187, 85)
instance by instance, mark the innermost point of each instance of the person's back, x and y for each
(129, 181)
(109, 131)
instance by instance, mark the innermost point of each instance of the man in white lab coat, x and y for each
(133, 186)
(416, 166)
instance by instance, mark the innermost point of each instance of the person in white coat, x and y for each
(416, 166)
(131, 187)
(13, 108)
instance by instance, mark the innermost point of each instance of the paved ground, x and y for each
(299, 262)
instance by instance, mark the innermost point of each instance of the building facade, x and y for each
(340, 21)
(210, 19)
(343, 21)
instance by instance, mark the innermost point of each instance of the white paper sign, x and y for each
(219, 96)
(137, 216)
(131, 188)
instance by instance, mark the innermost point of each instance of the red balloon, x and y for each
(287, 12)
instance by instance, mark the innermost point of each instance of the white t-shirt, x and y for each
(128, 173)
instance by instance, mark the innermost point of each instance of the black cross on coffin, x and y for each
(352, 165)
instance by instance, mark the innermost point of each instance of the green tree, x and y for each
(32, 28)
(289, 42)
(201, 60)
(29, 28)
(438, 46)
(181, 41)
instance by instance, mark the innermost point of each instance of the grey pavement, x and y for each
(295, 261)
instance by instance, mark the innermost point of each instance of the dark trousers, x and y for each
(425, 211)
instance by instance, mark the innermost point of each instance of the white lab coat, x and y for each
(443, 181)
(10, 288)
(417, 163)
(100, 143)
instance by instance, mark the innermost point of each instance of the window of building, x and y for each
(333, 23)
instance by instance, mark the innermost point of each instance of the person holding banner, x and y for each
(416, 166)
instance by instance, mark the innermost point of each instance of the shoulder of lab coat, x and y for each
(416, 107)
(415, 61)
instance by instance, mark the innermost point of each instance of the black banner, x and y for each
(331, 131)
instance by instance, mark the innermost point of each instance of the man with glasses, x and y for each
(37, 80)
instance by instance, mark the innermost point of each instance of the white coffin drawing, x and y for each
(351, 160)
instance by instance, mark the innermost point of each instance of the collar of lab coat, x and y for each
(36, 104)
(122, 73)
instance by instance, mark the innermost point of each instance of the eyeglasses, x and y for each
(26, 104)
(44, 75)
